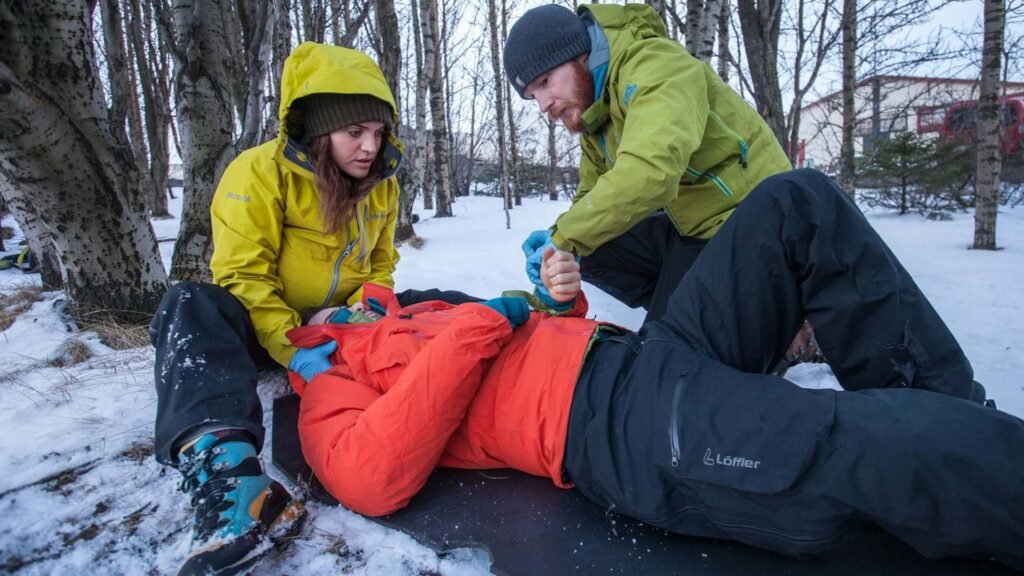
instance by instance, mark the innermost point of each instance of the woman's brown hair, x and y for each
(339, 192)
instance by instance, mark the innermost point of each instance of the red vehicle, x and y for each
(961, 121)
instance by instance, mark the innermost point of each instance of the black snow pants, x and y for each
(208, 362)
(679, 426)
(642, 267)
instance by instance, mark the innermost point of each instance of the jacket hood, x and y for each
(640, 19)
(611, 27)
(313, 68)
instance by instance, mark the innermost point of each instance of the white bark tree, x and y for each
(989, 161)
(433, 72)
(62, 165)
(847, 168)
(203, 91)
(499, 105)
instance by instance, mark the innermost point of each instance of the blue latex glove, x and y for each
(376, 306)
(534, 247)
(516, 310)
(544, 296)
(341, 316)
(309, 362)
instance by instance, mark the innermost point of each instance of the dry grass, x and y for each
(416, 242)
(138, 452)
(13, 305)
(72, 351)
(116, 335)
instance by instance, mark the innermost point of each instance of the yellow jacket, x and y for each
(270, 250)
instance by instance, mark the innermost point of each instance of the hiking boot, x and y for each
(240, 511)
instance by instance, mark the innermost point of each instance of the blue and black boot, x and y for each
(240, 512)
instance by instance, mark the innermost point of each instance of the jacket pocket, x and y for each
(743, 431)
(399, 349)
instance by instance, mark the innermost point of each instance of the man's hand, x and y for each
(804, 348)
(560, 273)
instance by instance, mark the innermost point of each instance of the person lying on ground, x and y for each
(679, 425)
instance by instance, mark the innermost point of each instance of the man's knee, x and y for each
(792, 184)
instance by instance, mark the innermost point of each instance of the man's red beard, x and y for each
(569, 111)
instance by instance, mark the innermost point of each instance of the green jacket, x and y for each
(664, 132)
(269, 247)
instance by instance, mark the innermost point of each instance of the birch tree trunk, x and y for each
(204, 97)
(499, 106)
(257, 40)
(40, 242)
(552, 161)
(724, 54)
(354, 25)
(391, 65)
(708, 26)
(515, 163)
(117, 71)
(280, 47)
(847, 169)
(987, 195)
(694, 10)
(760, 21)
(813, 44)
(151, 63)
(432, 70)
(419, 159)
(62, 165)
(474, 137)
(136, 132)
(444, 41)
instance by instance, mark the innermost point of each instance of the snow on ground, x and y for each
(81, 493)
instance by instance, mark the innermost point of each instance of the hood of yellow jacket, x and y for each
(314, 68)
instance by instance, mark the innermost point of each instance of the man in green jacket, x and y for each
(668, 149)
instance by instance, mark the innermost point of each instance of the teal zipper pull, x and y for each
(744, 149)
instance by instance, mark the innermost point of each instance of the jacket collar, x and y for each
(596, 115)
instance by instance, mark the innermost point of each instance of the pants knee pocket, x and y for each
(747, 432)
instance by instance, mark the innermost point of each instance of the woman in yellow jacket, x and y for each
(300, 223)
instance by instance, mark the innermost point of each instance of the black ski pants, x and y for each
(643, 267)
(208, 361)
(679, 426)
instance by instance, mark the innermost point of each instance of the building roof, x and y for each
(896, 78)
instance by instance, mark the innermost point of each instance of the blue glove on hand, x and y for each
(545, 297)
(376, 306)
(516, 310)
(534, 247)
(341, 316)
(309, 362)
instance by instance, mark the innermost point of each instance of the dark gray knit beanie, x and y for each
(545, 37)
(324, 113)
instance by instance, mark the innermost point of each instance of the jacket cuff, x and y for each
(561, 243)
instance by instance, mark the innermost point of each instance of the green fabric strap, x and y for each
(536, 303)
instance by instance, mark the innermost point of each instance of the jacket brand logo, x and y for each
(734, 461)
(233, 196)
(628, 94)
